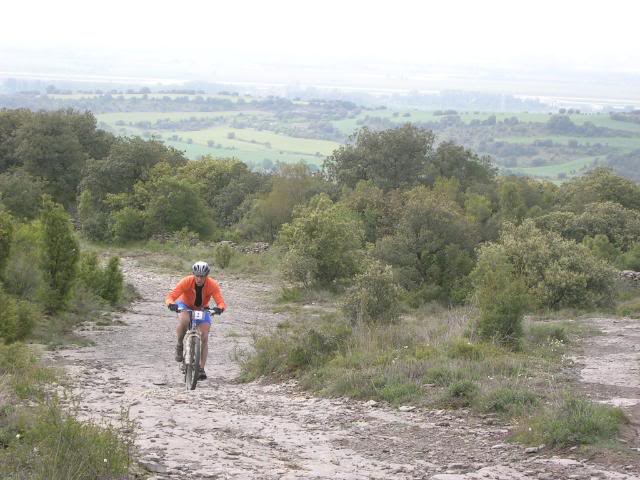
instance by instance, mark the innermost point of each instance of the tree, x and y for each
(390, 159)
(454, 161)
(130, 160)
(599, 185)
(20, 192)
(49, 148)
(174, 204)
(293, 185)
(431, 248)
(60, 255)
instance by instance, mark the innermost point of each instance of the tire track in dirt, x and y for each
(228, 430)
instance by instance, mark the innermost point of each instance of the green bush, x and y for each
(23, 273)
(59, 257)
(557, 272)
(327, 234)
(630, 260)
(502, 297)
(105, 282)
(113, 282)
(374, 296)
(222, 255)
(6, 233)
(128, 225)
(573, 421)
(90, 273)
(16, 318)
(601, 247)
(299, 268)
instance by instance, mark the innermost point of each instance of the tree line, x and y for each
(392, 211)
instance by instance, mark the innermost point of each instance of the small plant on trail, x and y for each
(222, 254)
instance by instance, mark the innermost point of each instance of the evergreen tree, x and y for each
(60, 255)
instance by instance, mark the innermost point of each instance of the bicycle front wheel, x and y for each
(193, 367)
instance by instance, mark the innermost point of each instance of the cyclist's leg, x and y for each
(204, 333)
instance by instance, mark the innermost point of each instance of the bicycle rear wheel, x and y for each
(193, 366)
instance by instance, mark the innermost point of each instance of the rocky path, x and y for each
(228, 430)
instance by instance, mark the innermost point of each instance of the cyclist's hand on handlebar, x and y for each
(173, 307)
(217, 310)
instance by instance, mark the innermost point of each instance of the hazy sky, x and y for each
(589, 34)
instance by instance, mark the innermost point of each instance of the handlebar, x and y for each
(212, 310)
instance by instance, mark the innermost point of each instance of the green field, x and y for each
(259, 145)
(554, 171)
(247, 144)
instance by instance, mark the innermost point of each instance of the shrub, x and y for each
(539, 334)
(328, 234)
(290, 351)
(630, 260)
(59, 257)
(460, 393)
(90, 273)
(299, 268)
(222, 255)
(557, 272)
(113, 282)
(16, 320)
(573, 421)
(106, 282)
(501, 296)
(510, 401)
(374, 296)
(23, 273)
(6, 233)
(128, 225)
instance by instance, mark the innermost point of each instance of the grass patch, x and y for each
(425, 360)
(629, 308)
(45, 442)
(572, 421)
(21, 372)
(509, 401)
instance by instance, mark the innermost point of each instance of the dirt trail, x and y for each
(228, 430)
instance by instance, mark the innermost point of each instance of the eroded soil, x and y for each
(228, 430)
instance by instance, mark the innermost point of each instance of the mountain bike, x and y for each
(192, 347)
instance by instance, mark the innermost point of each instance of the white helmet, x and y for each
(200, 269)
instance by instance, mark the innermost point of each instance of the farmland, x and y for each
(263, 130)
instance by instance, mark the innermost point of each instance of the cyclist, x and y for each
(194, 293)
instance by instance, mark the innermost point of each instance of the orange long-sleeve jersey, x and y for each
(185, 291)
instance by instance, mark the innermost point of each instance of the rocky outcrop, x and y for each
(630, 275)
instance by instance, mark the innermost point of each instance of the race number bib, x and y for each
(198, 315)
